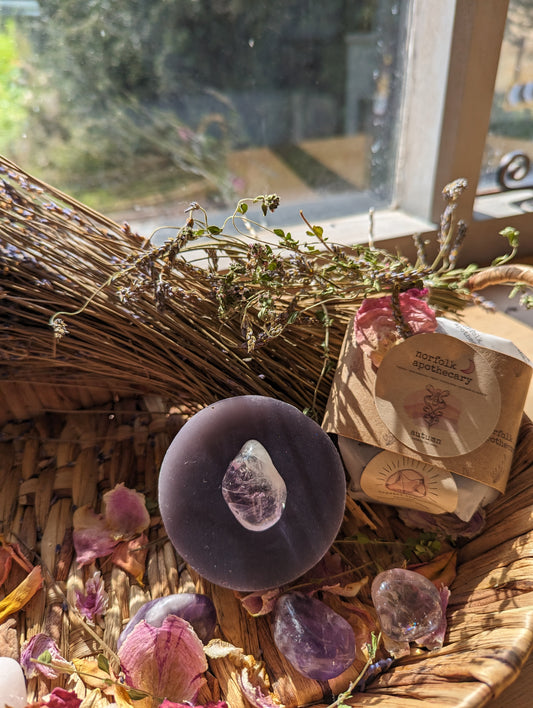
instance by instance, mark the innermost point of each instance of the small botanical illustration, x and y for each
(434, 404)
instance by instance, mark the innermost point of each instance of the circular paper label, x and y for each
(437, 395)
(391, 478)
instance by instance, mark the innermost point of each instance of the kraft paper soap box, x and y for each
(443, 409)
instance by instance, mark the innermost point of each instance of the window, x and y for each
(509, 145)
(355, 104)
(452, 66)
(145, 105)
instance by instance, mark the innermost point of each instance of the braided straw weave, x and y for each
(53, 463)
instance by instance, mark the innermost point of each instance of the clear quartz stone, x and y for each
(253, 488)
(12, 683)
(407, 603)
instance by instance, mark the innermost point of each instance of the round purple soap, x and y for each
(307, 484)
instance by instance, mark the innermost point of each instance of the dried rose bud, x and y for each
(376, 329)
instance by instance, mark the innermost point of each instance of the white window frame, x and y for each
(453, 49)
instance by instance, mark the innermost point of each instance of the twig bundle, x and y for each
(209, 314)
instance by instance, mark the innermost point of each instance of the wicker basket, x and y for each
(53, 463)
(68, 436)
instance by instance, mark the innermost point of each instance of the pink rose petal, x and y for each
(125, 512)
(33, 649)
(95, 599)
(164, 661)
(91, 536)
(61, 698)
(375, 326)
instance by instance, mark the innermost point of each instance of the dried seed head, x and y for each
(453, 190)
(60, 328)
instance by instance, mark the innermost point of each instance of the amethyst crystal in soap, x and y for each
(211, 536)
(317, 641)
(197, 609)
(407, 603)
(253, 488)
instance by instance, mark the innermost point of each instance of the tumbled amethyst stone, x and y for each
(317, 641)
(407, 603)
(253, 488)
(197, 609)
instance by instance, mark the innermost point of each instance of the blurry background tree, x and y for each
(156, 85)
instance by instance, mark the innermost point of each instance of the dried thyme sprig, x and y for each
(372, 650)
(268, 286)
(446, 236)
(170, 320)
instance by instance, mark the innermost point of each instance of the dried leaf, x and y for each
(21, 594)
(9, 639)
(92, 674)
(348, 590)
(257, 689)
(10, 552)
(131, 556)
(444, 524)
(122, 698)
(250, 673)
(169, 704)
(125, 512)
(441, 570)
(219, 649)
(149, 657)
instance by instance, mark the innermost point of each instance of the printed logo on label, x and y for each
(391, 478)
(438, 395)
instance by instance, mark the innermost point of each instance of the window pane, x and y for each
(511, 128)
(139, 108)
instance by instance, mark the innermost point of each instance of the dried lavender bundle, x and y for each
(213, 312)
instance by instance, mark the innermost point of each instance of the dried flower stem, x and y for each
(346, 695)
(204, 316)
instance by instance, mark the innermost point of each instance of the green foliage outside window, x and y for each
(120, 87)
